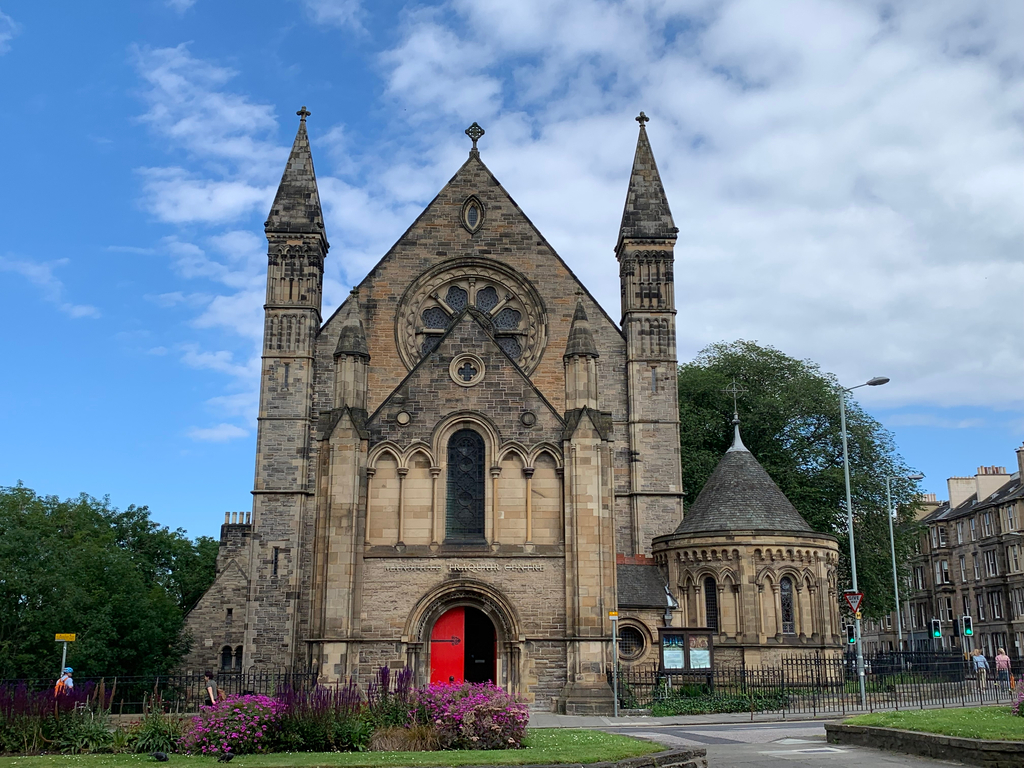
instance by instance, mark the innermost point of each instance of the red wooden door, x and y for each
(448, 647)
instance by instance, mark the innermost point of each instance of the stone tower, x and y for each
(645, 251)
(296, 247)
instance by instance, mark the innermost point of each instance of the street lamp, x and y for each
(877, 381)
(892, 549)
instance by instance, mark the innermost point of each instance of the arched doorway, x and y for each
(463, 647)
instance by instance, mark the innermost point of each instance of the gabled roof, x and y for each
(740, 495)
(1010, 490)
(296, 206)
(646, 213)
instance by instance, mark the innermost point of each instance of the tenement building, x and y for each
(469, 464)
(969, 562)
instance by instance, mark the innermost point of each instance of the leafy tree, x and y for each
(117, 579)
(790, 421)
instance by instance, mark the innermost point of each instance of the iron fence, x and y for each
(173, 693)
(820, 684)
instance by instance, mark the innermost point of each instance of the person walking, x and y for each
(1003, 669)
(211, 688)
(980, 668)
(66, 683)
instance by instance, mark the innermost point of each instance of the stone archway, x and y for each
(483, 608)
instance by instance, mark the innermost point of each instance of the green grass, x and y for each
(969, 723)
(542, 745)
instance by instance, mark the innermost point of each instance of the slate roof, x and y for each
(581, 340)
(1012, 489)
(740, 496)
(640, 586)
(646, 213)
(296, 206)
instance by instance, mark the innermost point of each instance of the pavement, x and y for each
(733, 741)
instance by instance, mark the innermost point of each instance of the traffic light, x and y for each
(851, 634)
(968, 625)
(936, 628)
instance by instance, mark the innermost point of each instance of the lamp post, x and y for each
(877, 381)
(892, 549)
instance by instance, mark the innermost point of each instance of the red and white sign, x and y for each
(854, 599)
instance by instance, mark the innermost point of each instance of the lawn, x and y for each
(542, 745)
(969, 723)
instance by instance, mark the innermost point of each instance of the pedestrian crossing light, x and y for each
(851, 634)
(968, 625)
(936, 628)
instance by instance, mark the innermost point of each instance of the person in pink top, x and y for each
(1003, 668)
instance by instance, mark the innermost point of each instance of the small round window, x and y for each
(631, 643)
(472, 214)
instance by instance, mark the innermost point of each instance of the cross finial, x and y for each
(735, 390)
(642, 118)
(303, 113)
(475, 132)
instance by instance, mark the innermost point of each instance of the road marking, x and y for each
(664, 738)
(811, 751)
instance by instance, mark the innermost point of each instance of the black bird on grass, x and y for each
(160, 757)
(227, 757)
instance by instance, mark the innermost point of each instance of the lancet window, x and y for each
(465, 497)
(786, 599)
(711, 603)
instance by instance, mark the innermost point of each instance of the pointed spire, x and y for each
(737, 441)
(352, 339)
(581, 340)
(646, 214)
(296, 206)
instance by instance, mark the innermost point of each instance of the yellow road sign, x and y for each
(857, 615)
(613, 614)
(67, 638)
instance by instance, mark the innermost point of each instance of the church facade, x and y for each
(464, 469)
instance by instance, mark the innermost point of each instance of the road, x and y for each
(764, 745)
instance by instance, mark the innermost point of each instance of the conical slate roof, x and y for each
(740, 496)
(581, 340)
(646, 213)
(296, 206)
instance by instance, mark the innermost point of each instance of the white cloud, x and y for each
(335, 13)
(848, 179)
(41, 275)
(180, 6)
(218, 434)
(9, 28)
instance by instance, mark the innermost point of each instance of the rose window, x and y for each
(510, 306)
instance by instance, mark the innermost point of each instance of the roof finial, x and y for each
(303, 113)
(642, 118)
(735, 390)
(475, 132)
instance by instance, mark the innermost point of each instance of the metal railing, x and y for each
(819, 684)
(181, 693)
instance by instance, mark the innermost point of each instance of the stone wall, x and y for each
(991, 754)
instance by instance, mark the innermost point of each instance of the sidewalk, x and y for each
(549, 720)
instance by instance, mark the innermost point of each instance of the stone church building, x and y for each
(470, 463)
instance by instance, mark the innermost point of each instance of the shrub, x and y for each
(1018, 707)
(414, 738)
(238, 725)
(716, 703)
(472, 716)
(325, 719)
(389, 699)
(32, 720)
(156, 732)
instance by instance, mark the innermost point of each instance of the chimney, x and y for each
(989, 480)
(1020, 462)
(960, 489)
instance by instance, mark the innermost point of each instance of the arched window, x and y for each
(465, 509)
(631, 643)
(711, 603)
(786, 598)
(225, 658)
(238, 659)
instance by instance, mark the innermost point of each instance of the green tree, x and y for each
(790, 421)
(115, 578)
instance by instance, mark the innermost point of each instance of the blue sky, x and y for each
(848, 179)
